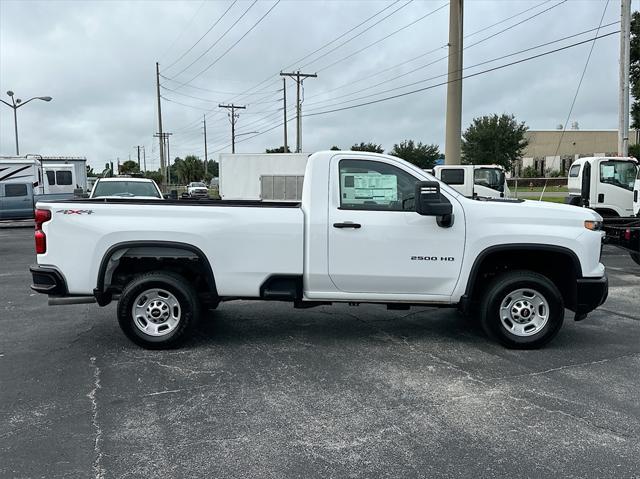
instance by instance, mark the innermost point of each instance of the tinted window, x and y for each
(452, 177)
(125, 189)
(372, 185)
(197, 185)
(63, 177)
(490, 177)
(51, 177)
(15, 190)
(618, 173)
(574, 171)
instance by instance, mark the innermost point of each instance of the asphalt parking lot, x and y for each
(268, 391)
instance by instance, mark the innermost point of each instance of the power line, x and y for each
(219, 38)
(184, 29)
(575, 96)
(340, 36)
(238, 41)
(441, 58)
(357, 35)
(444, 74)
(464, 77)
(383, 38)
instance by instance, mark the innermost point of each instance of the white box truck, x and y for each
(262, 176)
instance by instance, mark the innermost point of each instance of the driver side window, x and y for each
(373, 185)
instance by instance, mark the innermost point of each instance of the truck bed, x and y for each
(247, 241)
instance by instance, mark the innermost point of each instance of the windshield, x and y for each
(618, 173)
(125, 189)
(489, 177)
(198, 185)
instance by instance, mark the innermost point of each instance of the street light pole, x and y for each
(17, 103)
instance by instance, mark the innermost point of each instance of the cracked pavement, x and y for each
(265, 390)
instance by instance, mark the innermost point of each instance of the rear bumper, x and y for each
(47, 281)
(590, 293)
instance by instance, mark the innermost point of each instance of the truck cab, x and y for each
(486, 181)
(16, 201)
(604, 184)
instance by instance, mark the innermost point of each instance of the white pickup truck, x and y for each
(370, 229)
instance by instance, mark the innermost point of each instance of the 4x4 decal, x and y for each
(75, 212)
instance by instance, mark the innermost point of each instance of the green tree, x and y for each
(213, 168)
(155, 176)
(634, 150)
(335, 148)
(494, 139)
(372, 147)
(421, 155)
(129, 167)
(634, 70)
(190, 169)
(279, 149)
(90, 171)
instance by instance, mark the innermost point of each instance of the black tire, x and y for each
(498, 295)
(635, 257)
(179, 289)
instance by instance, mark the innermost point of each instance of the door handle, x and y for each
(347, 224)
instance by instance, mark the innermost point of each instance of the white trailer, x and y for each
(262, 176)
(78, 164)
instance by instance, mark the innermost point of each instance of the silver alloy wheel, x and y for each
(524, 312)
(156, 312)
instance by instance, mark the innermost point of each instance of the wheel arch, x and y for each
(150, 249)
(562, 264)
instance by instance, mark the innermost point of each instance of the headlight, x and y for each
(593, 225)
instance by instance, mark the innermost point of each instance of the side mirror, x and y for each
(430, 202)
(167, 196)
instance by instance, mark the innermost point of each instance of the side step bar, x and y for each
(53, 301)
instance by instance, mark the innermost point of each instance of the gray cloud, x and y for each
(97, 59)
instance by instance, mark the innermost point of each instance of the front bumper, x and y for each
(47, 281)
(590, 293)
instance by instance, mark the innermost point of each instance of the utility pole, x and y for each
(623, 108)
(204, 122)
(160, 134)
(138, 148)
(233, 117)
(284, 99)
(164, 146)
(453, 133)
(299, 78)
(144, 159)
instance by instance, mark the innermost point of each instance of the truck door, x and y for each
(377, 243)
(614, 186)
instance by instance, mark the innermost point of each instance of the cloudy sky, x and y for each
(97, 60)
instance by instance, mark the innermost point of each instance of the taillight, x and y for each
(41, 216)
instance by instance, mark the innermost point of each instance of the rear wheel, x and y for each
(158, 310)
(522, 310)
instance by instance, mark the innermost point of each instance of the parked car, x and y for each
(370, 229)
(144, 188)
(197, 189)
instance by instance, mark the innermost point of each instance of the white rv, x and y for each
(604, 184)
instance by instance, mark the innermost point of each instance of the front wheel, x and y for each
(522, 310)
(158, 310)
